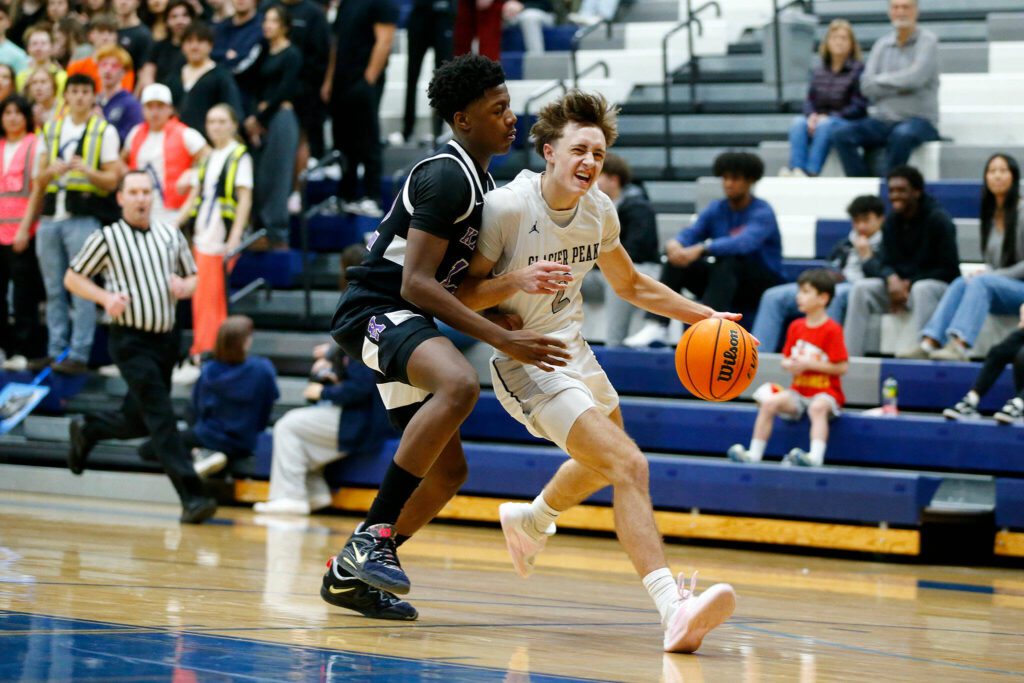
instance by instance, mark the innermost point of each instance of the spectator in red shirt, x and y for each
(815, 354)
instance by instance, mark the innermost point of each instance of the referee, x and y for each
(147, 267)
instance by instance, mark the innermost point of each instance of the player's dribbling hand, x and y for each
(735, 317)
(543, 277)
(527, 346)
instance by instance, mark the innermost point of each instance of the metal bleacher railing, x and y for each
(777, 10)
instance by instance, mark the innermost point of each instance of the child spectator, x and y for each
(1010, 350)
(232, 399)
(815, 355)
(833, 99)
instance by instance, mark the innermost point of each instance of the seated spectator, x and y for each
(916, 263)
(7, 79)
(531, 16)
(999, 288)
(120, 108)
(167, 149)
(1010, 350)
(847, 263)
(232, 400)
(41, 90)
(39, 43)
(18, 264)
(816, 357)
(347, 420)
(478, 20)
(102, 33)
(594, 12)
(10, 54)
(273, 127)
(740, 232)
(201, 83)
(901, 79)
(132, 34)
(218, 211)
(833, 99)
(166, 57)
(639, 236)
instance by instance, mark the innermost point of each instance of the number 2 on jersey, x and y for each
(560, 301)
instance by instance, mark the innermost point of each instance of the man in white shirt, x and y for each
(561, 216)
(72, 188)
(165, 148)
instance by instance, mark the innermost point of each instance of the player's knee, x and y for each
(460, 390)
(818, 409)
(454, 474)
(632, 469)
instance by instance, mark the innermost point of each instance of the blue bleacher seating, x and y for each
(62, 387)
(961, 198)
(281, 269)
(333, 233)
(932, 386)
(1010, 503)
(827, 233)
(512, 62)
(791, 268)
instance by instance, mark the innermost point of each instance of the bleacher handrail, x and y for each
(574, 47)
(777, 9)
(258, 283)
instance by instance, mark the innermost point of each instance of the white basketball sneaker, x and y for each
(520, 536)
(695, 616)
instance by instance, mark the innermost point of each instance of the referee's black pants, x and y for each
(146, 361)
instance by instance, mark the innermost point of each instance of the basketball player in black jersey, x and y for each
(417, 258)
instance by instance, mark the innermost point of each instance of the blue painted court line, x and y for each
(964, 587)
(40, 647)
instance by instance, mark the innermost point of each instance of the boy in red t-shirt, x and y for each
(816, 355)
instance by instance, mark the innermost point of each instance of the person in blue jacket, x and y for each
(729, 256)
(347, 419)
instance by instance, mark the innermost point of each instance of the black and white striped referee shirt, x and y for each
(139, 263)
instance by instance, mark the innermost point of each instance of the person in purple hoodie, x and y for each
(232, 400)
(833, 98)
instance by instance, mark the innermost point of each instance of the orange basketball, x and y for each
(716, 359)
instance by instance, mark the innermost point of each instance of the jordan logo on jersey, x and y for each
(469, 239)
(534, 229)
(374, 330)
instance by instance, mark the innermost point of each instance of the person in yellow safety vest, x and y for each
(76, 172)
(218, 207)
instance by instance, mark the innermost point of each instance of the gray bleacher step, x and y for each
(947, 31)
(862, 11)
(670, 196)
(689, 162)
(963, 58)
(648, 99)
(286, 308)
(964, 494)
(547, 66)
(1008, 26)
(652, 10)
(140, 487)
(704, 129)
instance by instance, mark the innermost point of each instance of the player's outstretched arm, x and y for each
(647, 293)
(479, 291)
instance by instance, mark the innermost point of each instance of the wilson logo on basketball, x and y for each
(716, 359)
(726, 369)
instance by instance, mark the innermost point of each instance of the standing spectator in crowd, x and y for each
(57, 10)
(143, 337)
(26, 14)
(916, 263)
(18, 264)
(639, 235)
(41, 89)
(220, 10)
(10, 53)
(69, 41)
(7, 79)
(479, 19)
(201, 83)
(1010, 350)
(232, 400)
(847, 263)
(72, 187)
(429, 26)
(740, 231)
(363, 32)
(237, 46)
(311, 35)
(901, 79)
(91, 8)
(347, 418)
(120, 108)
(165, 148)
(833, 99)
(166, 57)
(40, 51)
(531, 16)
(102, 34)
(154, 16)
(816, 357)
(132, 34)
(999, 288)
(273, 126)
(221, 202)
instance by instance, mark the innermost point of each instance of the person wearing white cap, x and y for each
(167, 149)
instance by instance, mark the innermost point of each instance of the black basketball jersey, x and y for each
(444, 196)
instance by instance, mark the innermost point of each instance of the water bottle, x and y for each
(890, 390)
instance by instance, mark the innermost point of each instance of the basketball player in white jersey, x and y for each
(560, 215)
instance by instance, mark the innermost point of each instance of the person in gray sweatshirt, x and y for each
(901, 80)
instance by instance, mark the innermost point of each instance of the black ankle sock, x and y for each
(400, 539)
(395, 490)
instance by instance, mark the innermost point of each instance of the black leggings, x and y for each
(1010, 350)
(731, 283)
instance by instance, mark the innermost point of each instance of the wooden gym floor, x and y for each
(109, 591)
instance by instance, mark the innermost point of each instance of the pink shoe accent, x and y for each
(698, 616)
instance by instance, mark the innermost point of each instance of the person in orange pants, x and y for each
(220, 205)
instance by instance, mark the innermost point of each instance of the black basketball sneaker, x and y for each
(341, 589)
(371, 556)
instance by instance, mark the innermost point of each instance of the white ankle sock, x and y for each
(756, 450)
(543, 514)
(817, 454)
(663, 590)
(972, 398)
(928, 345)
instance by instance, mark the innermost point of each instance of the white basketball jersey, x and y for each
(520, 229)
